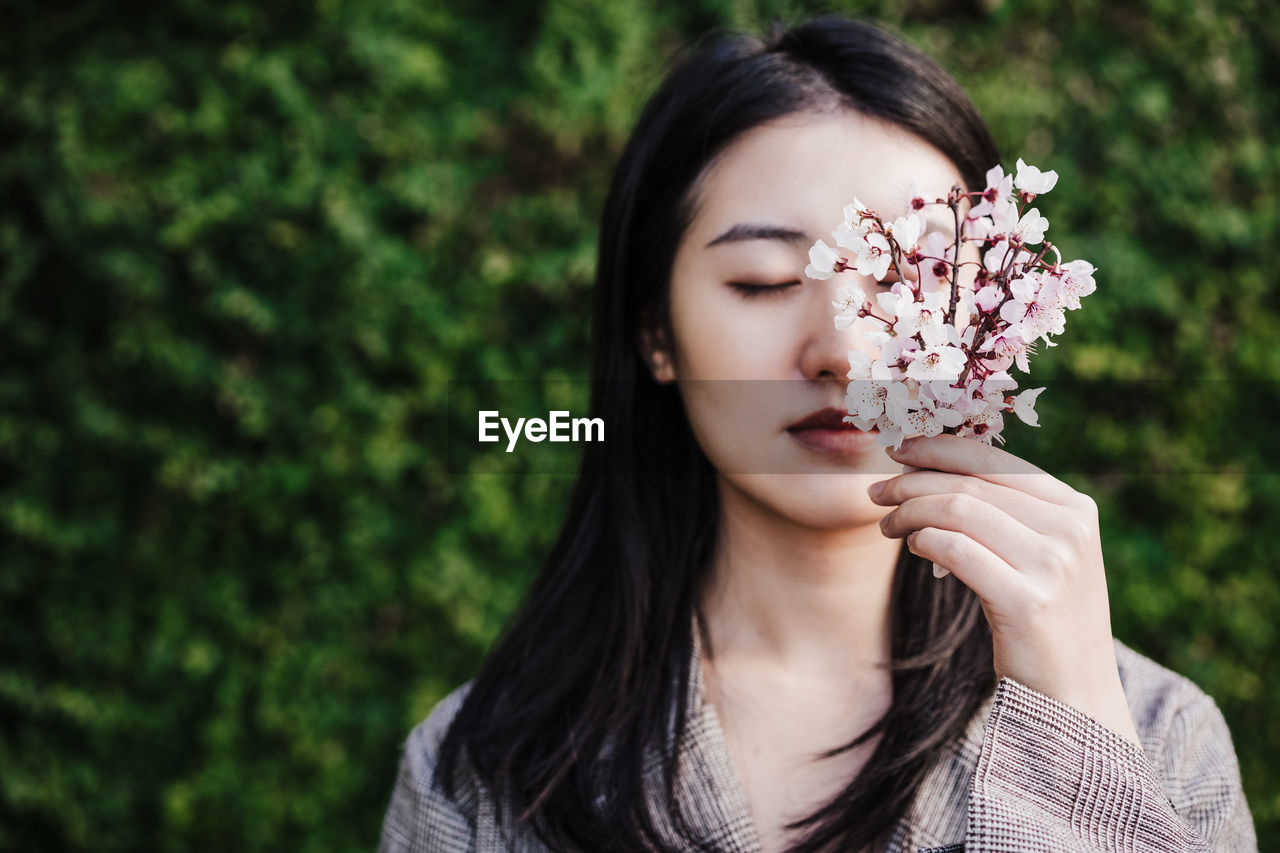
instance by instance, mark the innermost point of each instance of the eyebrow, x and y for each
(745, 231)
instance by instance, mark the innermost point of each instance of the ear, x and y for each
(656, 352)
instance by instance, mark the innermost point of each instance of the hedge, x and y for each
(253, 258)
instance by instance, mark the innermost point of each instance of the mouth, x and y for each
(827, 432)
(829, 418)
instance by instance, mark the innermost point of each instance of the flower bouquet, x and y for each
(946, 346)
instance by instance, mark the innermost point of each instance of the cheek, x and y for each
(735, 422)
(971, 258)
(721, 335)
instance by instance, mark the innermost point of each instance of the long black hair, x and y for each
(591, 675)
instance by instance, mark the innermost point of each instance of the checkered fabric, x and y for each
(1029, 774)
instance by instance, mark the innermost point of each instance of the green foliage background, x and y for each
(245, 246)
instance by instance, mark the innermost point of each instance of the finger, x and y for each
(967, 456)
(1039, 515)
(973, 564)
(1006, 537)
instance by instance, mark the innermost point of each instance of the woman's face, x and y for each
(755, 350)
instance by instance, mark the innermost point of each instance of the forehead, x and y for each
(803, 169)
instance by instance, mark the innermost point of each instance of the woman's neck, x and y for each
(795, 600)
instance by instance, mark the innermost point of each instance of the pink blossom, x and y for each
(1076, 282)
(1008, 348)
(933, 375)
(989, 298)
(1033, 310)
(935, 269)
(998, 192)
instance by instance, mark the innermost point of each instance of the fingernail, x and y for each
(939, 572)
(906, 445)
(907, 469)
(875, 489)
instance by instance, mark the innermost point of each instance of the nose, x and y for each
(824, 355)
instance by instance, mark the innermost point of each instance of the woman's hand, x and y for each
(1028, 545)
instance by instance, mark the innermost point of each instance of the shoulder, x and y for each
(423, 743)
(1156, 693)
(1183, 734)
(1163, 703)
(420, 815)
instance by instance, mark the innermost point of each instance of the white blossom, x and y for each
(989, 298)
(936, 362)
(1009, 348)
(935, 270)
(822, 261)
(1032, 180)
(895, 350)
(870, 398)
(930, 420)
(1024, 406)
(873, 256)
(859, 365)
(1005, 255)
(849, 301)
(912, 387)
(913, 195)
(979, 228)
(986, 427)
(855, 212)
(849, 237)
(1031, 227)
(906, 231)
(1004, 216)
(1076, 282)
(997, 194)
(890, 434)
(1033, 311)
(878, 335)
(941, 391)
(852, 229)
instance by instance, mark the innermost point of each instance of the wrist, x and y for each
(1097, 692)
(1107, 704)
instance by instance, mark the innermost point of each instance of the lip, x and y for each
(827, 431)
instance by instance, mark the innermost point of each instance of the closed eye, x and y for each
(753, 290)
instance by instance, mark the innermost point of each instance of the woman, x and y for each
(730, 647)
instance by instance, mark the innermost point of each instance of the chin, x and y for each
(821, 501)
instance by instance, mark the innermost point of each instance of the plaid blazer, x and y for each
(1029, 774)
